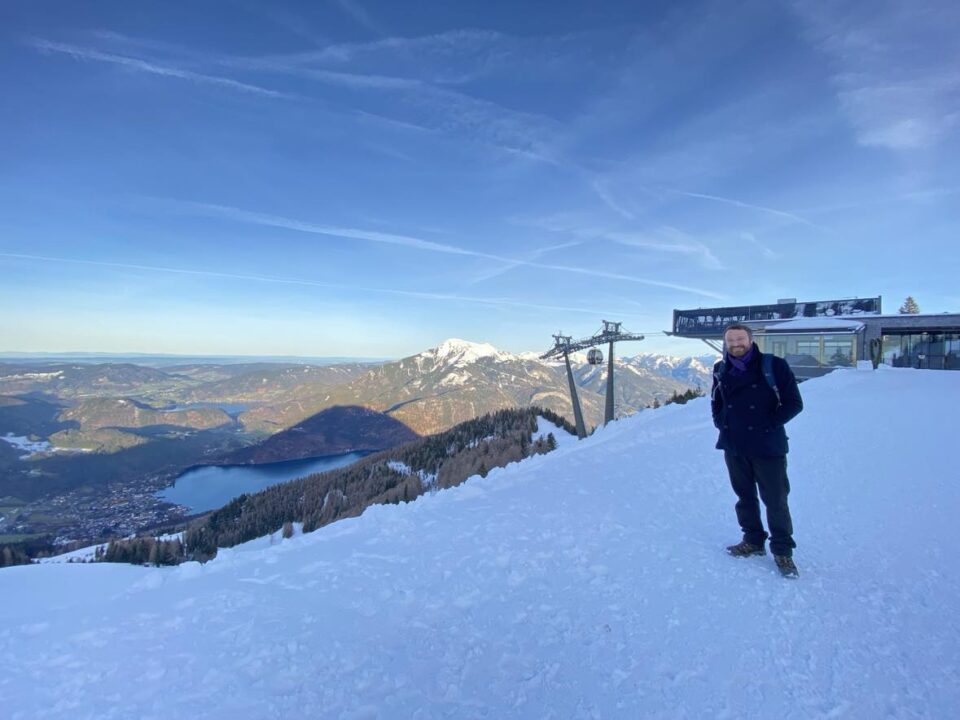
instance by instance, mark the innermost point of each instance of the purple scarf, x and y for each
(740, 364)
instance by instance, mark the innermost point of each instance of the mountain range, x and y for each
(458, 379)
(100, 404)
(102, 432)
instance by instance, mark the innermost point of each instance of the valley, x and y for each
(87, 447)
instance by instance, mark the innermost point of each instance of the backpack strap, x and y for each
(767, 365)
(718, 372)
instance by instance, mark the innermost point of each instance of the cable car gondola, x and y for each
(595, 357)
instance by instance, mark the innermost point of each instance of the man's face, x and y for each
(737, 342)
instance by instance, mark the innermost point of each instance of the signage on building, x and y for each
(710, 322)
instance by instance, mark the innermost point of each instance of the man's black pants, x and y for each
(769, 474)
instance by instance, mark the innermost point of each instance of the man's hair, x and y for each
(738, 326)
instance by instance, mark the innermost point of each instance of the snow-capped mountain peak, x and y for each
(455, 351)
(692, 370)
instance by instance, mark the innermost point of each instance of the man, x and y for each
(754, 395)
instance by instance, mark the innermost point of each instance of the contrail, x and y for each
(539, 252)
(749, 206)
(255, 218)
(82, 53)
(415, 243)
(496, 302)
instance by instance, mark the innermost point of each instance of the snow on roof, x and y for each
(814, 323)
(907, 315)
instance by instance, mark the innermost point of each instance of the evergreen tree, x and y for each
(686, 396)
(909, 306)
(551, 442)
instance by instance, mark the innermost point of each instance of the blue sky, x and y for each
(367, 178)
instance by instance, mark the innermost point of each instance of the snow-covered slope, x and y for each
(587, 583)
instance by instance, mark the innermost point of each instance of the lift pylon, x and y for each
(563, 345)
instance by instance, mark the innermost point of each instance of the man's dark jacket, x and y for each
(745, 408)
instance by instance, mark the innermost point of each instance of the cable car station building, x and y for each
(818, 337)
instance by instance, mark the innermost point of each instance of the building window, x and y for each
(928, 350)
(839, 350)
(804, 352)
(952, 358)
(811, 355)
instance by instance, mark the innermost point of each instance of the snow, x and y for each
(87, 554)
(815, 323)
(586, 583)
(454, 378)
(31, 448)
(545, 427)
(688, 369)
(458, 352)
(453, 357)
(530, 355)
(578, 357)
(427, 480)
(33, 376)
(26, 445)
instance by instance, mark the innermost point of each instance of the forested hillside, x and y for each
(391, 476)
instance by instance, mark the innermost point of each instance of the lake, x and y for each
(231, 409)
(212, 486)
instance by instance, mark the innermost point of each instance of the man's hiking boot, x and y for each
(786, 566)
(745, 549)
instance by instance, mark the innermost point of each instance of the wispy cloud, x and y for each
(416, 99)
(455, 56)
(610, 201)
(360, 15)
(629, 278)
(529, 257)
(764, 250)
(924, 196)
(135, 64)
(663, 239)
(750, 206)
(255, 218)
(285, 19)
(391, 122)
(124, 44)
(246, 216)
(421, 103)
(246, 277)
(684, 245)
(896, 67)
(420, 76)
(929, 194)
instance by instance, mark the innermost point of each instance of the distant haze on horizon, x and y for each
(161, 359)
(361, 178)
